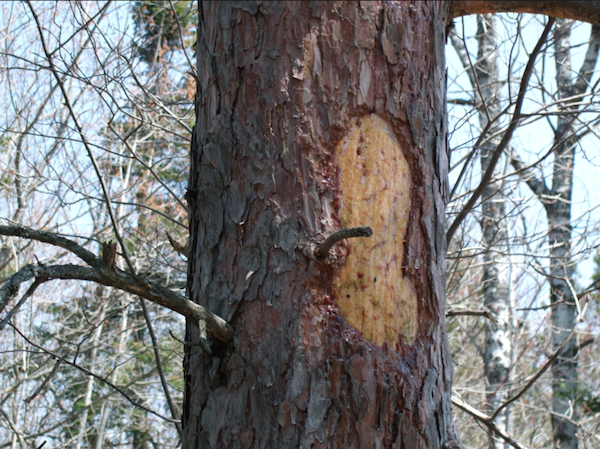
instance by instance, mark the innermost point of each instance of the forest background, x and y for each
(95, 134)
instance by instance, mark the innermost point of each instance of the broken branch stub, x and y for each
(322, 250)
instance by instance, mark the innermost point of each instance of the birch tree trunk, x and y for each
(311, 117)
(558, 209)
(498, 335)
(498, 352)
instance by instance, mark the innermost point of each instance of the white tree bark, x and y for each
(498, 348)
(498, 335)
(558, 209)
(557, 201)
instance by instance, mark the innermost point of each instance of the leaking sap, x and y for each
(375, 184)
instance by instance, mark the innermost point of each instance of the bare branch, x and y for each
(482, 313)
(487, 421)
(4, 299)
(96, 376)
(39, 389)
(582, 10)
(322, 250)
(53, 239)
(84, 139)
(215, 325)
(182, 40)
(459, 46)
(14, 428)
(537, 186)
(181, 249)
(507, 135)
(539, 374)
(159, 367)
(589, 63)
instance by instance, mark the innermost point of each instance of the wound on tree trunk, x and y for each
(370, 290)
(313, 117)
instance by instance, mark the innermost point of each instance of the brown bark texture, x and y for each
(583, 10)
(280, 88)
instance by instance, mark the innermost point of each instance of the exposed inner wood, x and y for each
(375, 183)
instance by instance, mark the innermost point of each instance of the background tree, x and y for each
(87, 352)
(566, 392)
(163, 26)
(498, 347)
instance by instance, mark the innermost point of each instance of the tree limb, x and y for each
(99, 273)
(483, 313)
(53, 239)
(322, 250)
(537, 186)
(24, 298)
(583, 10)
(487, 421)
(589, 63)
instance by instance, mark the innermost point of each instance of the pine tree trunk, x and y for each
(312, 117)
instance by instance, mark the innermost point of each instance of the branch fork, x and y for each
(110, 276)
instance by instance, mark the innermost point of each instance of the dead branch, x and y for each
(482, 313)
(583, 10)
(487, 421)
(101, 274)
(322, 250)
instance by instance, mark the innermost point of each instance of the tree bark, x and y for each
(564, 368)
(557, 200)
(558, 210)
(498, 336)
(583, 10)
(312, 117)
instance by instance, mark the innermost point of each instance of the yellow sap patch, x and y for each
(375, 187)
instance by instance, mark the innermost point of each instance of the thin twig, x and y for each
(159, 367)
(507, 136)
(534, 379)
(14, 428)
(39, 389)
(185, 52)
(84, 140)
(482, 313)
(22, 301)
(94, 375)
